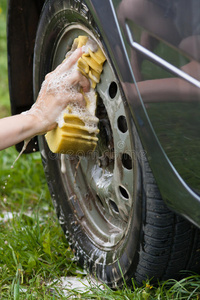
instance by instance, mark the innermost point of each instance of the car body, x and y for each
(153, 49)
(179, 185)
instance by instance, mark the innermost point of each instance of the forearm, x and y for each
(16, 129)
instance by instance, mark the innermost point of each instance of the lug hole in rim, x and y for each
(122, 124)
(113, 206)
(123, 192)
(113, 90)
(127, 161)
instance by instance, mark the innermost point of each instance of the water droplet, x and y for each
(63, 166)
(23, 149)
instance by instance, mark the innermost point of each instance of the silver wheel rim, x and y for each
(101, 185)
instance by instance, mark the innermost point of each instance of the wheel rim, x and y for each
(100, 186)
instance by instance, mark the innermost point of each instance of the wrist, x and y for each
(31, 125)
(37, 124)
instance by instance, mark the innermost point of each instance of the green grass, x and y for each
(34, 253)
(4, 97)
(33, 249)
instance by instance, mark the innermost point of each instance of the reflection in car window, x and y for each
(175, 21)
(172, 104)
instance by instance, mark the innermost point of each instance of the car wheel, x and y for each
(108, 203)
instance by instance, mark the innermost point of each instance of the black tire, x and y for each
(146, 239)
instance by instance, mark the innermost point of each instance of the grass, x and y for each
(4, 103)
(34, 253)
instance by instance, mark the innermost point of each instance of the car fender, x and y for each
(175, 192)
(23, 17)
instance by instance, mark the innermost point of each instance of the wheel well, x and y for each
(22, 22)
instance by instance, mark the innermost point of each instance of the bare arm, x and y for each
(17, 128)
(60, 88)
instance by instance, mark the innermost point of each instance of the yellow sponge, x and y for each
(90, 64)
(75, 137)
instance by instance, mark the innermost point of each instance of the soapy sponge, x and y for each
(77, 134)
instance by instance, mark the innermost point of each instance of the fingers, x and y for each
(68, 79)
(76, 77)
(70, 61)
(81, 80)
(78, 99)
(75, 56)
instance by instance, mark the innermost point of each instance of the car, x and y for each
(131, 209)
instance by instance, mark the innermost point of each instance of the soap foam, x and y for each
(91, 44)
(63, 166)
(61, 82)
(86, 114)
(83, 114)
(26, 141)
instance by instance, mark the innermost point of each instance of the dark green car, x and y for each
(130, 209)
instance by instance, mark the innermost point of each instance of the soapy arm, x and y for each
(60, 88)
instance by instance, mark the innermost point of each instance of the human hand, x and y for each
(60, 88)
